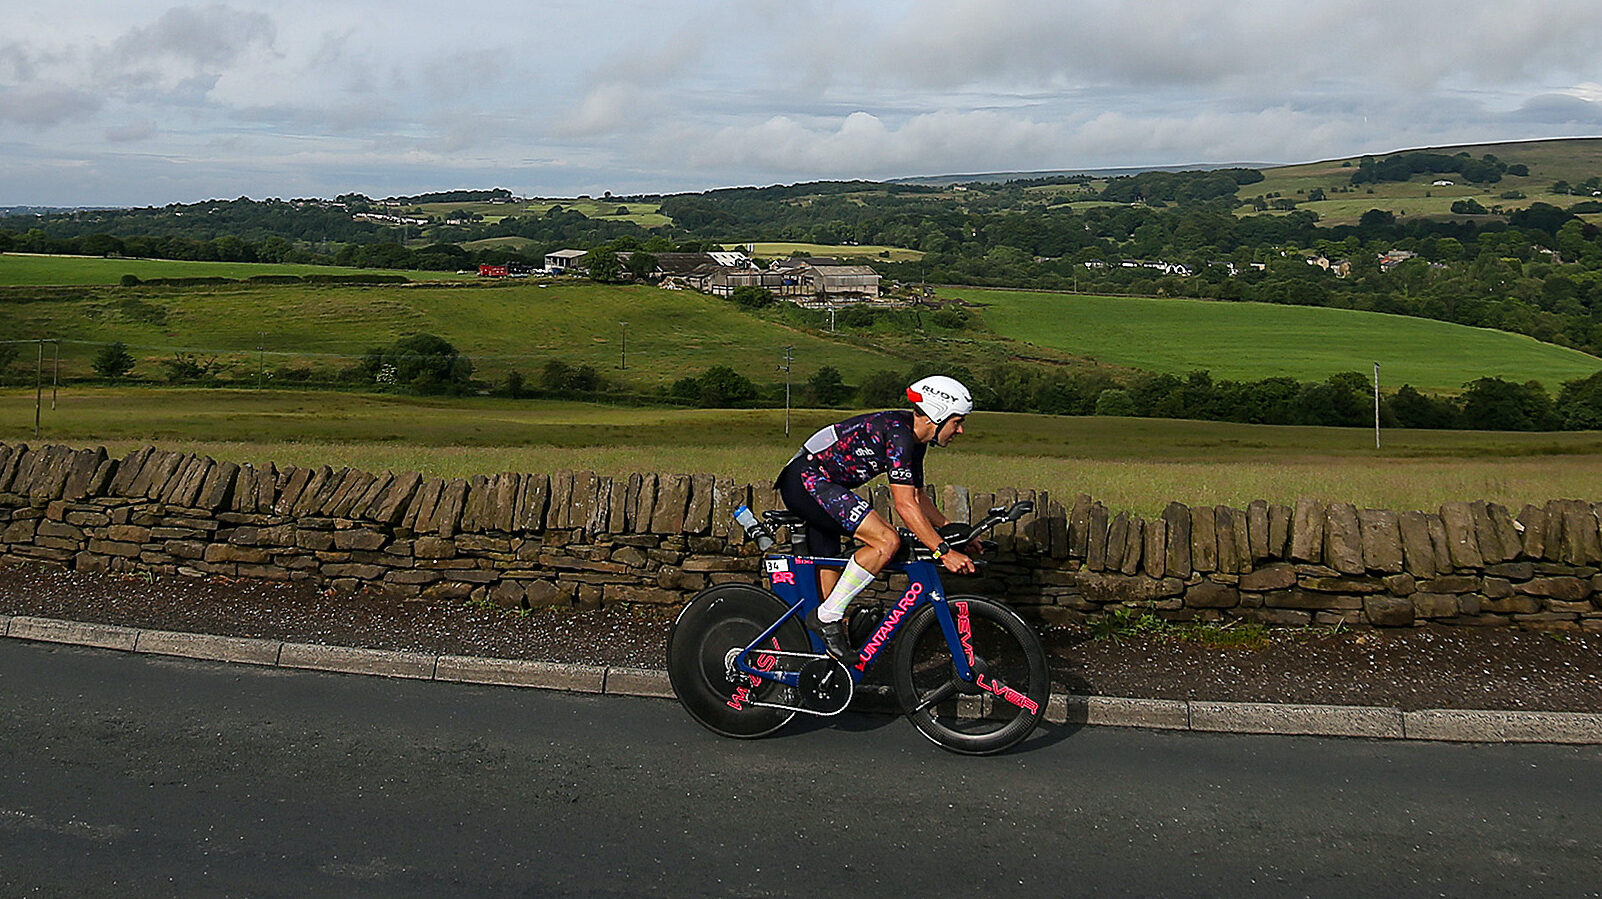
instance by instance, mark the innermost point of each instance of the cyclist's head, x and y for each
(940, 398)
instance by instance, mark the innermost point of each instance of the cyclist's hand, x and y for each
(957, 563)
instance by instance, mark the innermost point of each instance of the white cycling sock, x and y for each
(852, 581)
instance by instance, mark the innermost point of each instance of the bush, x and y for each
(423, 363)
(113, 361)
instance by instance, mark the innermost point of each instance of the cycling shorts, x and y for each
(830, 511)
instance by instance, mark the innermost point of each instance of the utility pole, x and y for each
(38, 384)
(789, 357)
(623, 363)
(261, 358)
(1376, 407)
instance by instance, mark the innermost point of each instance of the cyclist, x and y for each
(817, 482)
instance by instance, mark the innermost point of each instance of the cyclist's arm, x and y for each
(914, 507)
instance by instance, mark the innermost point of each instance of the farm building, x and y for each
(562, 260)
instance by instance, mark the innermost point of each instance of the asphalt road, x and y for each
(142, 775)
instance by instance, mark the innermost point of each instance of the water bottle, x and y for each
(755, 530)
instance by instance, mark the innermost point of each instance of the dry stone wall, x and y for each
(578, 539)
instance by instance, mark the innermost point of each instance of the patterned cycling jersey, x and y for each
(855, 451)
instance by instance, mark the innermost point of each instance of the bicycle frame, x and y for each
(794, 580)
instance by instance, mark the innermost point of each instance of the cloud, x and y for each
(205, 38)
(46, 104)
(144, 129)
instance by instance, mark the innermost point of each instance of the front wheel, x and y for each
(1008, 695)
(718, 624)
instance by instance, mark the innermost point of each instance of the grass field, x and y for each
(26, 269)
(771, 250)
(1250, 341)
(1135, 464)
(502, 326)
(646, 215)
(1548, 161)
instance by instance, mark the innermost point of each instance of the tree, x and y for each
(422, 362)
(1492, 404)
(827, 387)
(1579, 403)
(750, 296)
(113, 361)
(603, 265)
(722, 386)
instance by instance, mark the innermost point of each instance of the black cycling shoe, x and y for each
(834, 634)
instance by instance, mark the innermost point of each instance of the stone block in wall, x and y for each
(1117, 541)
(698, 513)
(294, 481)
(533, 494)
(1438, 541)
(1279, 529)
(350, 490)
(954, 503)
(1307, 531)
(1056, 529)
(1257, 529)
(1203, 540)
(672, 501)
(584, 501)
(448, 514)
(1298, 598)
(1154, 557)
(1240, 534)
(184, 486)
(1382, 540)
(559, 516)
(1343, 539)
(128, 469)
(726, 497)
(1269, 577)
(476, 505)
(420, 511)
(1177, 559)
(1105, 588)
(1350, 584)
(1506, 530)
(1096, 537)
(1278, 617)
(1418, 554)
(1568, 589)
(10, 455)
(1462, 542)
(1533, 520)
(87, 466)
(1581, 543)
(645, 504)
(1134, 546)
(153, 479)
(504, 492)
(1212, 595)
(1079, 527)
(1388, 611)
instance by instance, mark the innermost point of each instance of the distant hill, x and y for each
(1003, 177)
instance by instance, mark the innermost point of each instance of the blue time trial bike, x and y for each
(969, 673)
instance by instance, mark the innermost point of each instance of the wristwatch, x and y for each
(942, 549)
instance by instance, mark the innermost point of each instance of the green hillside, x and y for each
(502, 326)
(1573, 160)
(28, 269)
(1250, 341)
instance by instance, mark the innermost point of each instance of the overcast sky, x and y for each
(144, 102)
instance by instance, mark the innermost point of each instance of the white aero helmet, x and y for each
(940, 398)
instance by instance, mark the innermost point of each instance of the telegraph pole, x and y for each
(789, 356)
(1376, 407)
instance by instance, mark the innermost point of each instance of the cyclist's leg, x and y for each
(824, 534)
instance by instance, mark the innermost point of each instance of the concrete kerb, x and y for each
(1442, 725)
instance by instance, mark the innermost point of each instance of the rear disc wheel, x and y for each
(716, 626)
